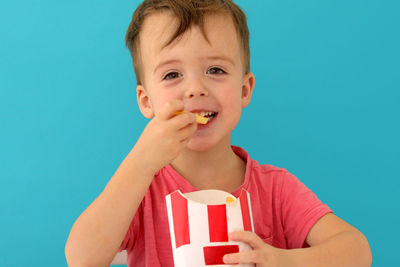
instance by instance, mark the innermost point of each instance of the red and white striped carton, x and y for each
(200, 222)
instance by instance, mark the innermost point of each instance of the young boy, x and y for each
(193, 56)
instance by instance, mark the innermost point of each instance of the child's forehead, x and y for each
(160, 27)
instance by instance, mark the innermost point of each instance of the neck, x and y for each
(217, 168)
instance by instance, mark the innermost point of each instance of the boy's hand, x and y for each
(262, 254)
(165, 136)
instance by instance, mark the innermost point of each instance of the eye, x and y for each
(172, 75)
(215, 70)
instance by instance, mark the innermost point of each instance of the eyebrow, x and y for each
(163, 63)
(228, 59)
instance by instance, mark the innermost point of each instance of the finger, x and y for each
(182, 120)
(247, 237)
(187, 131)
(167, 111)
(249, 256)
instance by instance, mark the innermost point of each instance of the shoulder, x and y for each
(253, 166)
(269, 179)
(279, 180)
(266, 174)
(280, 177)
(268, 171)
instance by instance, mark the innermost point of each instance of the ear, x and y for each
(247, 88)
(144, 102)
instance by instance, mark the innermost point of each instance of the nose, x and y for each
(196, 90)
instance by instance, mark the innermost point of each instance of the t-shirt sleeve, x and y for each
(301, 209)
(132, 233)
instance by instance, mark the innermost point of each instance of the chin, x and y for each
(199, 146)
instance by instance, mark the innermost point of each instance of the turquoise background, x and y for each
(325, 107)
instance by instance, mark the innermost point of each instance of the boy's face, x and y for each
(207, 77)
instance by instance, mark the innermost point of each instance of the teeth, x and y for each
(206, 114)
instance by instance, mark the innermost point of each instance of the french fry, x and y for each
(199, 119)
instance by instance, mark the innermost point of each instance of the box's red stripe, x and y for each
(217, 224)
(181, 219)
(244, 205)
(214, 255)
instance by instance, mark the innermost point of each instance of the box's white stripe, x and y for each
(250, 211)
(199, 232)
(234, 217)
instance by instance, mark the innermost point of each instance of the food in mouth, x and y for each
(202, 117)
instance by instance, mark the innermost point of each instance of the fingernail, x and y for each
(226, 259)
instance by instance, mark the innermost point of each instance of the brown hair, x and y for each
(187, 12)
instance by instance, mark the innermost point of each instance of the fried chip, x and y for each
(199, 119)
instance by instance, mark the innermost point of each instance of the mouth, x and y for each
(209, 115)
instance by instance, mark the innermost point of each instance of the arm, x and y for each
(333, 243)
(99, 231)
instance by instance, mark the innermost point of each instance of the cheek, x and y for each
(235, 105)
(232, 106)
(161, 99)
(231, 98)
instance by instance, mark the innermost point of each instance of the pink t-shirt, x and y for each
(283, 208)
